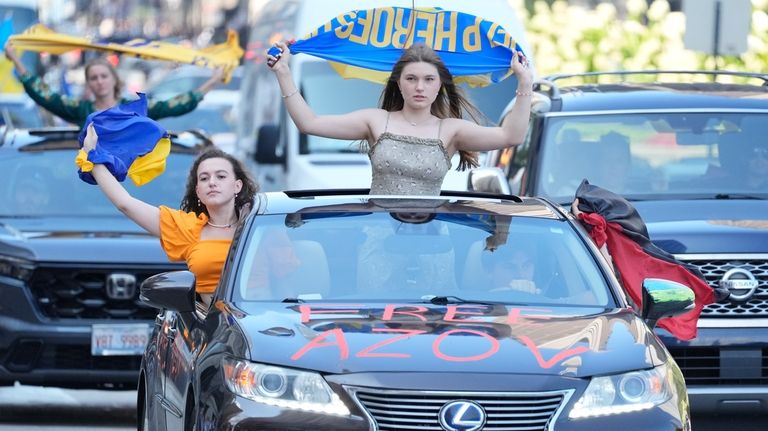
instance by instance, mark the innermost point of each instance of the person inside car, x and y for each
(757, 168)
(105, 87)
(512, 267)
(219, 194)
(419, 126)
(613, 162)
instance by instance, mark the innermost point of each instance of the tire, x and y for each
(190, 413)
(142, 407)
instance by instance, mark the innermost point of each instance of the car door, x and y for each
(181, 354)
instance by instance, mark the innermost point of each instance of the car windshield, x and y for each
(417, 257)
(46, 183)
(653, 155)
(328, 93)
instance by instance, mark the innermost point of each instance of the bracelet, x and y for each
(524, 93)
(285, 96)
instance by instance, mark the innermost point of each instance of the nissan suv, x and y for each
(71, 264)
(690, 151)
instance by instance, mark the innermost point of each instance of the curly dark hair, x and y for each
(450, 102)
(243, 200)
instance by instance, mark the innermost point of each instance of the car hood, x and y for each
(79, 239)
(351, 338)
(707, 226)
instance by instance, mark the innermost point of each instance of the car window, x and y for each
(412, 256)
(644, 154)
(46, 183)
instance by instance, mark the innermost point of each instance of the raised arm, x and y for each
(143, 214)
(472, 137)
(10, 54)
(216, 77)
(353, 126)
(67, 109)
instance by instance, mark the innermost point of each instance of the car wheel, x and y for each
(190, 414)
(143, 408)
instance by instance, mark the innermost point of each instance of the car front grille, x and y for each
(715, 269)
(81, 293)
(410, 410)
(711, 366)
(79, 358)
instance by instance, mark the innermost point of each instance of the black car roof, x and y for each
(631, 95)
(359, 200)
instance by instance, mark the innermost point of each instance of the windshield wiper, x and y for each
(738, 196)
(292, 300)
(450, 299)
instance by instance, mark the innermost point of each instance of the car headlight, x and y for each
(14, 267)
(282, 387)
(623, 393)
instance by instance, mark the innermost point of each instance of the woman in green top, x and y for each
(105, 86)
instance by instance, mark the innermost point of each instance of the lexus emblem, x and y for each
(121, 286)
(462, 415)
(740, 283)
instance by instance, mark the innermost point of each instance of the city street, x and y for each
(42, 408)
(548, 215)
(32, 408)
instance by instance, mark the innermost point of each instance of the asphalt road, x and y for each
(32, 408)
(39, 408)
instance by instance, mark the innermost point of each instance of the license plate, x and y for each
(114, 340)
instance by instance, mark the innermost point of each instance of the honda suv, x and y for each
(71, 264)
(693, 159)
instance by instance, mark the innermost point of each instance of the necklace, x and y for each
(413, 123)
(220, 226)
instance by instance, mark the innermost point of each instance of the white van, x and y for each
(281, 157)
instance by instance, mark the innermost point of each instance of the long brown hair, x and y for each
(243, 200)
(103, 62)
(450, 102)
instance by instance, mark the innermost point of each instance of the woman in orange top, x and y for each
(218, 195)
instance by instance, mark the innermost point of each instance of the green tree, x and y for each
(567, 38)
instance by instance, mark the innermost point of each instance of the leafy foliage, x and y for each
(568, 38)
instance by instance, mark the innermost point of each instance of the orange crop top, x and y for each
(180, 238)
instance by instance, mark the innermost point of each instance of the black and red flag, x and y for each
(612, 221)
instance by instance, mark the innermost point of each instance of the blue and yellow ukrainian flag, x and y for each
(225, 55)
(367, 43)
(130, 144)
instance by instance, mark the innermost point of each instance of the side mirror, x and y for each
(665, 298)
(173, 290)
(267, 141)
(488, 180)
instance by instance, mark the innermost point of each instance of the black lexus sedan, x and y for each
(343, 311)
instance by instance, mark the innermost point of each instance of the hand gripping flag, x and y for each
(366, 44)
(612, 221)
(225, 55)
(130, 144)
